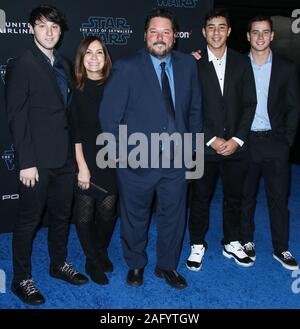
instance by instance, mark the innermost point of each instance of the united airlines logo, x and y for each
(112, 30)
(178, 3)
(15, 28)
(9, 157)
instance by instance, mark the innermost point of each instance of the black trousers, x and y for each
(54, 189)
(269, 154)
(232, 172)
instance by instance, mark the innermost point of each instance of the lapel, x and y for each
(273, 78)
(70, 83)
(229, 71)
(177, 78)
(48, 70)
(210, 73)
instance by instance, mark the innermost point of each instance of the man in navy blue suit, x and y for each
(154, 91)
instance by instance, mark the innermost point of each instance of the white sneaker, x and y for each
(194, 262)
(235, 250)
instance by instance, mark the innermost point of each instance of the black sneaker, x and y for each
(28, 292)
(249, 249)
(287, 260)
(68, 274)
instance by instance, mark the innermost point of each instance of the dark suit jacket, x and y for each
(231, 114)
(284, 99)
(36, 112)
(133, 96)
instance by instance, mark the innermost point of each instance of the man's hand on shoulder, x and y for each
(29, 176)
(197, 54)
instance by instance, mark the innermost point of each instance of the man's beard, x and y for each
(159, 53)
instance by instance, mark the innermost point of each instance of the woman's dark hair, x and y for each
(161, 12)
(80, 71)
(51, 13)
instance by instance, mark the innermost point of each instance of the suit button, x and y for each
(164, 128)
(224, 129)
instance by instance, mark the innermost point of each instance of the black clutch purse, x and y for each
(94, 191)
(99, 192)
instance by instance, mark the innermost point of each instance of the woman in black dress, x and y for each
(94, 210)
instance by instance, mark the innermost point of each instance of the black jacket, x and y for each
(231, 114)
(37, 116)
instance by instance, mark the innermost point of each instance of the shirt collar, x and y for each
(57, 57)
(156, 61)
(212, 57)
(268, 61)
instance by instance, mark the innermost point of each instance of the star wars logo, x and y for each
(2, 72)
(9, 157)
(178, 3)
(113, 30)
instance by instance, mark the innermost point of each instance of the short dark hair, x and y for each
(217, 12)
(51, 13)
(161, 12)
(260, 18)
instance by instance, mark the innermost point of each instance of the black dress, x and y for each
(85, 129)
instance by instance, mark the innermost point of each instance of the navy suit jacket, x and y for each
(133, 96)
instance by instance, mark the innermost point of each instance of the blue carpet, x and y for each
(219, 284)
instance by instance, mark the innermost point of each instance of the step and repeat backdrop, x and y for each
(121, 25)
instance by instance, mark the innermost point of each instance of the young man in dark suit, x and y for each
(38, 91)
(154, 91)
(272, 133)
(229, 102)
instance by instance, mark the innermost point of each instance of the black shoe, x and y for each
(28, 292)
(173, 278)
(249, 249)
(105, 262)
(287, 260)
(96, 273)
(68, 274)
(135, 277)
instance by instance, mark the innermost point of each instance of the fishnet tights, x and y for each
(86, 207)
